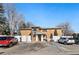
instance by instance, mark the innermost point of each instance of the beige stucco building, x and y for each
(41, 34)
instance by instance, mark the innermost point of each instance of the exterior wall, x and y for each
(47, 32)
(38, 29)
(56, 38)
(59, 31)
(25, 32)
(25, 35)
(33, 38)
(51, 31)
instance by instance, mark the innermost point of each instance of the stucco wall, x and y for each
(48, 32)
(59, 31)
(25, 32)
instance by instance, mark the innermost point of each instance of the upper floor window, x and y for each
(45, 30)
(55, 33)
(34, 29)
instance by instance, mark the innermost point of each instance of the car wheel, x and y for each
(16, 43)
(58, 41)
(65, 43)
(10, 45)
(77, 43)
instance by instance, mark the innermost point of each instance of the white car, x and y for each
(66, 40)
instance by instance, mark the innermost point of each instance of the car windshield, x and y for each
(63, 38)
(2, 38)
(70, 38)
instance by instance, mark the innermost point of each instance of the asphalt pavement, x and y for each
(50, 49)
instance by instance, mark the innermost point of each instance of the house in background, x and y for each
(41, 34)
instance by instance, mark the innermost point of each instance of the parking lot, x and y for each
(50, 49)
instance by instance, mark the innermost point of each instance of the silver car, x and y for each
(66, 40)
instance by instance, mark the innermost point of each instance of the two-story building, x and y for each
(41, 34)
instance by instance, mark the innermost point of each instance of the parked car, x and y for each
(76, 38)
(8, 41)
(66, 40)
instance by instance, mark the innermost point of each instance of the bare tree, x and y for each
(16, 20)
(67, 30)
(12, 17)
(21, 22)
(29, 24)
(3, 21)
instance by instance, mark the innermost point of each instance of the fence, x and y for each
(56, 38)
(24, 38)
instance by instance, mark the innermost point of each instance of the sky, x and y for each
(50, 14)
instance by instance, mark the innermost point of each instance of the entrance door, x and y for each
(39, 37)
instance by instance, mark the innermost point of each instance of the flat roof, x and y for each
(50, 28)
(39, 28)
(26, 29)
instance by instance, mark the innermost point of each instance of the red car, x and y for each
(8, 41)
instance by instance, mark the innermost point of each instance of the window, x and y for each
(51, 35)
(70, 38)
(33, 35)
(34, 29)
(55, 33)
(45, 30)
(63, 38)
(2, 38)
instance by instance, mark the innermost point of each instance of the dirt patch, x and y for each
(31, 46)
(2, 52)
(36, 46)
(25, 48)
